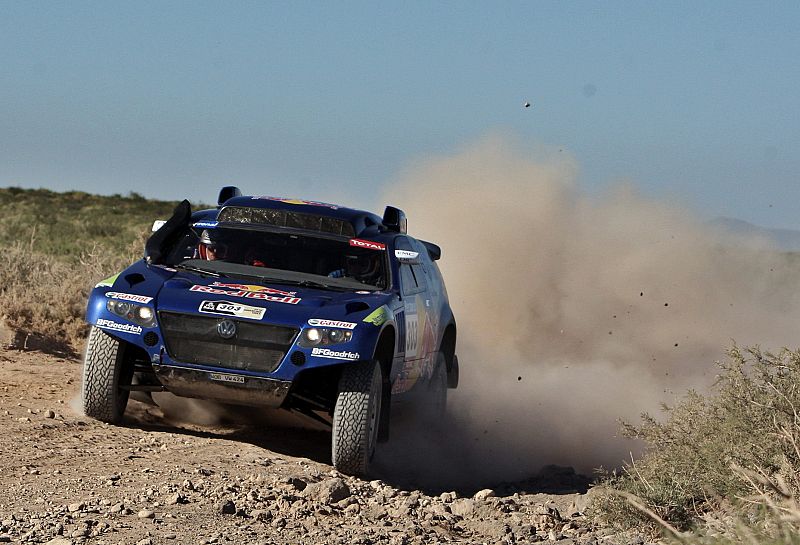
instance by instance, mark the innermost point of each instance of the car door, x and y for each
(411, 328)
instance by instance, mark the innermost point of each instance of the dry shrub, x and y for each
(723, 467)
(46, 297)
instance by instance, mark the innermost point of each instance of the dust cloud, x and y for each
(574, 310)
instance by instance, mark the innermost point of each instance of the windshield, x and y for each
(273, 256)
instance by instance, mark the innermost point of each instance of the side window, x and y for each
(422, 268)
(410, 276)
(407, 280)
(419, 276)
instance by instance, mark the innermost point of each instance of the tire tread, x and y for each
(101, 370)
(350, 441)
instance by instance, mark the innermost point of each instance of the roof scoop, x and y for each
(228, 192)
(394, 219)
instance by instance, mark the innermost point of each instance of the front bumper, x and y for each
(229, 388)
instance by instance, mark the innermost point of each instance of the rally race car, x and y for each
(278, 303)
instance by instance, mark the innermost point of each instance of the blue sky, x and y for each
(692, 101)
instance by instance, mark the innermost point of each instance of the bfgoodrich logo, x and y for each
(124, 328)
(332, 354)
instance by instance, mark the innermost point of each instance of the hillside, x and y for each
(65, 225)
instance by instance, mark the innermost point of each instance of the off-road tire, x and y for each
(356, 417)
(104, 370)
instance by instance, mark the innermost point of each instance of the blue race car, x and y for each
(278, 303)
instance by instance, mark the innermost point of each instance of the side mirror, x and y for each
(228, 192)
(395, 220)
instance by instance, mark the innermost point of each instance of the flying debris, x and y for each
(527, 104)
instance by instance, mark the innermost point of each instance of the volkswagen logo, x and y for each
(226, 329)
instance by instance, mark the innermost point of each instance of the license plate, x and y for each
(226, 378)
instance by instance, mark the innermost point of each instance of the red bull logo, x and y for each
(273, 296)
(251, 287)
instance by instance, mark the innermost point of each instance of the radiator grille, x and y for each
(254, 347)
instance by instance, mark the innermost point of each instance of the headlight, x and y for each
(317, 336)
(145, 314)
(135, 313)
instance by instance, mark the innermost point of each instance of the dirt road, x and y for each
(67, 479)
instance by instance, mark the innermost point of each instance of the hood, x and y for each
(270, 302)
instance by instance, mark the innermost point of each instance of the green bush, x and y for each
(712, 454)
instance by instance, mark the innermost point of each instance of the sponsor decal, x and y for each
(226, 378)
(334, 355)
(331, 323)
(227, 308)
(358, 243)
(250, 287)
(405, 254)
(129, 297)
(265, 294)
(205, 224)
(297, 201)
(108, 282)
(379, 316)
(122, 328)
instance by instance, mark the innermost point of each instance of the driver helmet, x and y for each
(211, 246)
(360, 265)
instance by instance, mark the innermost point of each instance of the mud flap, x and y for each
(452, 373)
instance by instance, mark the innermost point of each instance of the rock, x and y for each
(116, 508)
(352, 509)
(188, 485)
(261, 514)
(328, 491)
(227, 507)
(75, 507)
(439, 510)
(176, 498)
(49, 413)
(298, 483)
(59, 541)
(145, 541)
(463, 507)
(146, 514)
(448, 496)
(5, 538)
(481, 495)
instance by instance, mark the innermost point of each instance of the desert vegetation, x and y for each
(56, 247)
(721, 467)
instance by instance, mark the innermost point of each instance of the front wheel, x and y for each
(356, 417)
(104, 371)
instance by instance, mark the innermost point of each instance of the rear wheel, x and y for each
(104, 370)
(356, 417)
